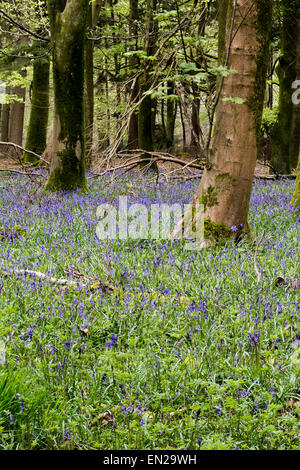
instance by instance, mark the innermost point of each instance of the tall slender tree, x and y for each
(226, 185)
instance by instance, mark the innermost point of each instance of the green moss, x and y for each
(296, 196)
(11, 233)
(69, 175)
(37, 128)
(210, 198)
(68, 37)
(216, 231)
(224, 181)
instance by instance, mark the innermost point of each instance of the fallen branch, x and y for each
(136, 157)
(28, 173)
(269, 166)
(274, 177)
(16, 146)
(92, 284)
(40, 275)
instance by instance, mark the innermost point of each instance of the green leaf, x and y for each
(235, 100)
(188, 67)
(165, 15)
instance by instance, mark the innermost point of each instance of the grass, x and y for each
(188, 351)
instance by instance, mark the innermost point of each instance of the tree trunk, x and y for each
(226, 184)
(296, 198)
(195, 119)
(295, 127)
(5, 122)
(145, 116)
(170, 115)
(282, 159)
(89, 101)
(89, 92)
(38, 121)
(68, 22)
(16, 117)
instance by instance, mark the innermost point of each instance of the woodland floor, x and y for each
(185, 350)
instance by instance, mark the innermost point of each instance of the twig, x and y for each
(28, 173)
(22, 28)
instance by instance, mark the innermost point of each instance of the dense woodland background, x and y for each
(165, 53)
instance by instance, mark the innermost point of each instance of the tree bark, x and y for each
(89, 92)
(38, 121)
(145, 115)
(284, 157)
(226, 185)
(16, 117)
(68, 23)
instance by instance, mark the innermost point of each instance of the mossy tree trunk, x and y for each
(145, 114)
(89, 92)
(38, 121)
(226, 185)
(296, 198)
(284, 157)
(68, 24)
(295, 128)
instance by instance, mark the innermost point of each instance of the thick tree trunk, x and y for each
(282, 158)
(38, 121)
(226, 184)
(68, 22)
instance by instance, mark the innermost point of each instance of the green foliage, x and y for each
(182, 372)
(269, 120)
(11, 233)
